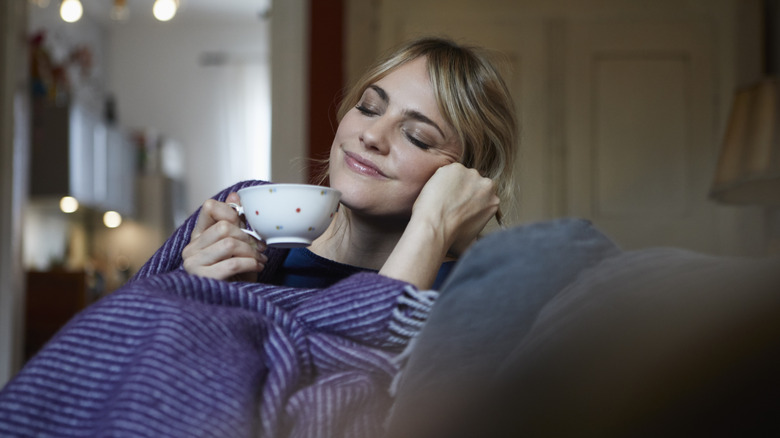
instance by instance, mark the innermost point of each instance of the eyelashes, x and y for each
(416, 141)
(369, 112)
(365, 110)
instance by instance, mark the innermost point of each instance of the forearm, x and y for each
(418, 255)
(450, 211)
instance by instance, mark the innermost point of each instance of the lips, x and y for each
(360, 165)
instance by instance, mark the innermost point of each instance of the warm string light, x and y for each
(69, 204)
(112, 219)
(164, 10)
(71, 10)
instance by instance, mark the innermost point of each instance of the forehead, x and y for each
(411, 75)
(409, 86)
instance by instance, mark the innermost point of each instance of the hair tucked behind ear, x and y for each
(472, 97)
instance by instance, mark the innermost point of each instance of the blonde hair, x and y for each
(472, 97)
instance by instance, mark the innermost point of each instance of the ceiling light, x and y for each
(71, 10)
(164, 10)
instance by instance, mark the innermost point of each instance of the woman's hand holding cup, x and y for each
(219, 248)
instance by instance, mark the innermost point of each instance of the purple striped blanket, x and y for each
(171, 354)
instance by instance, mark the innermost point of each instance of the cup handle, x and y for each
(240, 210)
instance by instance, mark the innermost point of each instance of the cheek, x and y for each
(349, 124)
(337, 138)
(419, 168)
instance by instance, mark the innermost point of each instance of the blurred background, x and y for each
(655, 119)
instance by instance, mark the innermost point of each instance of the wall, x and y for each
(14, 122)
(289, 95)
(173, 79)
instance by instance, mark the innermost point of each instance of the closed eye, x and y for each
(417, 142)
(422, 144)
(373, 101)
(365, 110)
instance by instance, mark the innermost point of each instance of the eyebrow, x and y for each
(416, 115)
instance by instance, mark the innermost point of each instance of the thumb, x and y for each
(233, 198)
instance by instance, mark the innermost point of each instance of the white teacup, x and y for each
(287, 215)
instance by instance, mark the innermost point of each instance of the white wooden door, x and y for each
(640, 108)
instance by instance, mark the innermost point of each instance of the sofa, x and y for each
(550, 329)
(546, 329)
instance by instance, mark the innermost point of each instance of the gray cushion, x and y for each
(658, 342)
(486, 307)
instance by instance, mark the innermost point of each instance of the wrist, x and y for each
(428, 234)
(418, 255)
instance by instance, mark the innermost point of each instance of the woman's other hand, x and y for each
(219, 249)
(459, 202)
(452, 209)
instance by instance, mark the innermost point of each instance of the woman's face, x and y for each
(389, 145)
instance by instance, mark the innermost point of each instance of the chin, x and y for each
(356, 198)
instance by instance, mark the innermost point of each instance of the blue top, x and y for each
(304, 269)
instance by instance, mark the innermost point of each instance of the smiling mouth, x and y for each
(364, 167)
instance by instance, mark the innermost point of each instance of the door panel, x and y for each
(640, 138)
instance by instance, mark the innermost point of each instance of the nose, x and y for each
(376, 135)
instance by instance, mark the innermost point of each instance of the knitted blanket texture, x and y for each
(172, 354)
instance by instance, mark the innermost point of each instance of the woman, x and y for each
(311, 345)
(424, 143)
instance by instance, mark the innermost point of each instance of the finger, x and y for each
(222, 250)
(229, 268)
(227, 248)
(216, 234)
(233, 198)
(212, 212)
